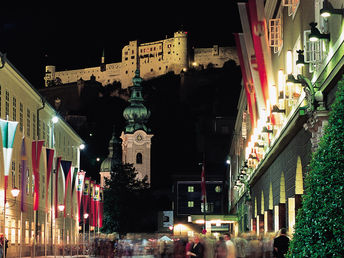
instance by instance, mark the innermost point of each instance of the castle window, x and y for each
(190, 204)
(139, 158)
(190, 189)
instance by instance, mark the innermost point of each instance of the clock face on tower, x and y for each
(139, 138)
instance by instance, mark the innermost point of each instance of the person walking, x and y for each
(240, 244)
(281, 244)
(221, 248)
(230, 246)
(1, 246)
(197, 249)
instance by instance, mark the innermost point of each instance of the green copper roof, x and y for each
(136, 114)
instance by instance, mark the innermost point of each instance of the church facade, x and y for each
(136, 137)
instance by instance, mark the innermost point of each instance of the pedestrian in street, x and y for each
(281, 244)
(188, 247)
(197, 249)
(1, 246)
(240, 244)
(230, 246)
(221, 248)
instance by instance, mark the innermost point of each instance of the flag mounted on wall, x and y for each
(8, 131)
(66, 167)
(86, 194)
(36, 156)
(50, 159)
(24, 173)
(91, 204)
(58, 163)
(79, 188)
(100, 208)
(96, 205)
(203, 187)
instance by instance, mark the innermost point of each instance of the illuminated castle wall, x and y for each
(155, 58)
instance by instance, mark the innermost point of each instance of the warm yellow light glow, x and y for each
(15, 192)
(289, 63)
(281, 81)
(199, 221)
(61, 207)
(273, 95)
(325, 14)
(291, 215)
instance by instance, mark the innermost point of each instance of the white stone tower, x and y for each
(136, 137)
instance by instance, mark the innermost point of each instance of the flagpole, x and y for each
(4, 244)
(21, 233)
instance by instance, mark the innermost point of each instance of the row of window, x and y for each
(191, 189)
(151, 70)
(314, 52)
(45, 129)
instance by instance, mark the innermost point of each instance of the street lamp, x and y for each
(83, 232)
(328, 9)
(315, 34)
(55, 119)
(15, 192)
(61, 208)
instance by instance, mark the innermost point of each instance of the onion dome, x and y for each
(115, 155)
(136, 113)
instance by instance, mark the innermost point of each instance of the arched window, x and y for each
(139, 158)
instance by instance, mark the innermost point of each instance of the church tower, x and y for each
(136, 137)
(114, 158)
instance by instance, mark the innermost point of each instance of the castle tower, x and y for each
(102, 62)
(136, 138)
(181, 50)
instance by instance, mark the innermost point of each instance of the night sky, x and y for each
(74, 37)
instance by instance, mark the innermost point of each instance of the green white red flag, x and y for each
(8, 131)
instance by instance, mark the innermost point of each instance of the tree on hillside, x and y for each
(319, 228)
(127, 202)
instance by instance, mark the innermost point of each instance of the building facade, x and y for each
(289, 82)
(188, 207)
(216, 56)
(29, 233)
(154, 59)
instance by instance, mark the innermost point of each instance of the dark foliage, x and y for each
(319, 228)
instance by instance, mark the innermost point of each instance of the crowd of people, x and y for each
(3, 243)
(199, 246)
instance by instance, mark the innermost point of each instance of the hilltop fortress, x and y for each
(153, 58)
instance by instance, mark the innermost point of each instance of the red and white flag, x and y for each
(36, 156)
(49, 164)
(100, 208)
(247, 77)
(262, 50)
(66, 168)
(203, 186)
(251, 56)
(92, 217)
(86, 194)
(58, 163)
(79, 189)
